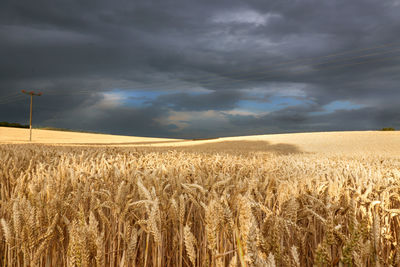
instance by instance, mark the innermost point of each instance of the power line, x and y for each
(353, 64)
(11, 95)
(255, 75)
(247, 76)
(318, 66)
(10, 99)
(300, 71)
(224, 76)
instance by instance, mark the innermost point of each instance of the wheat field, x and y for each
(225, 202)
(10, 135)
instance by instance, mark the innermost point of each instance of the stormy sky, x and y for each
(197, 69)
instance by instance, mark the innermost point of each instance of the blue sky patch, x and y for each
(137, 98)
(337, 105)
(274, 103)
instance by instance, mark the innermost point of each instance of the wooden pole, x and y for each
(30, 120)
(30, 113)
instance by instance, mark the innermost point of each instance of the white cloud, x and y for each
(284, 89)
(244, 17)
(243, 112)
(110, 100)
(185, 120)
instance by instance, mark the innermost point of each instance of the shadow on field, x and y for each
(229, 147)
(234, 147)
(125, 143)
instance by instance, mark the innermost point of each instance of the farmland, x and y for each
(275, 200)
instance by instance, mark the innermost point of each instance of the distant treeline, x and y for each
(8, 124)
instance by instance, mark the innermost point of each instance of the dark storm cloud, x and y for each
(76, 52)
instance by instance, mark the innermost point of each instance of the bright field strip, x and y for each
(354, 142)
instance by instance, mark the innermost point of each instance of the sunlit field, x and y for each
(16, 136)
(323, 199)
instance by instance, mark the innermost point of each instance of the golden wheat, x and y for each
(206, 206)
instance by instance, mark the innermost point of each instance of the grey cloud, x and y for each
(297, 119)
(70, 48)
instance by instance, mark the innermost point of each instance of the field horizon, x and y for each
(387, 142)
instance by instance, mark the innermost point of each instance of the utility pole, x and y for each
(31, 93)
